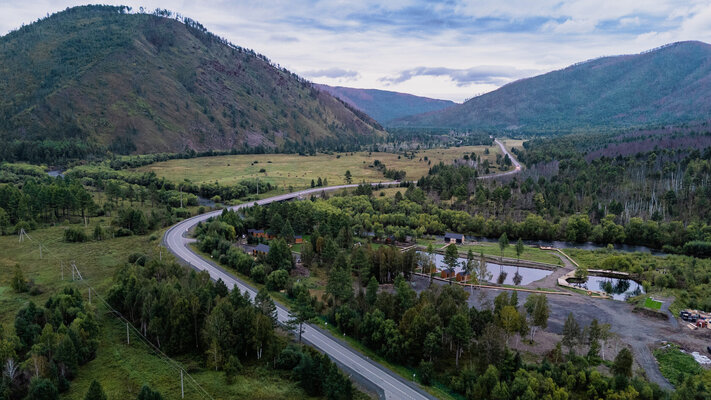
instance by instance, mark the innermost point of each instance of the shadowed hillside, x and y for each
(385, 106)
(668, 85)
(97, 77)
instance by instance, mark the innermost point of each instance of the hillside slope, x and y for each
(385, 106)
(668, 85)
(145, 83)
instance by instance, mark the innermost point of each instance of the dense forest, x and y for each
(435, 332)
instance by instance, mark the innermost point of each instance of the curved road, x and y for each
(516, 164)
(370, 373)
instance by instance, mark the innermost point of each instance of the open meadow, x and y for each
(292, 170)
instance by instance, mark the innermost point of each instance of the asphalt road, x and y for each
(516, 164)
(371, 374)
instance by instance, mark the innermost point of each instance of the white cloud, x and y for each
(361, 42)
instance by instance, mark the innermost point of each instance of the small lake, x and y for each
(617, 288)
(55, 173)
(528, 275)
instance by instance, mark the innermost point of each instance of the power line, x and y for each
(129, 326)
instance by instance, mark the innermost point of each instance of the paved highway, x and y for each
(516, 164)
(370, 373)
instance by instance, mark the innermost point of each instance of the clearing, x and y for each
(295, 171)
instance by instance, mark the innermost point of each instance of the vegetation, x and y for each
(676, 366)
(569, 99)
(148, 84)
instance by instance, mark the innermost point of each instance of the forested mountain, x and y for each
(384, 105)
(98, 77)
(668, 85)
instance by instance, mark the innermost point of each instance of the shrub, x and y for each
(258, 273)
(75, 234)
(277, 280)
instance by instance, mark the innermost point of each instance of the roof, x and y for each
(451, 235)
(298, 237)
(463, 273)
(262, 248)
(448, 270)
(255, 230)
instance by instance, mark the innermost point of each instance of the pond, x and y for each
(528, 275)
(617, 288)
(55, 173)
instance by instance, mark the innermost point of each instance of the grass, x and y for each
(653, 304)
(676, 365)
(492, 249)
(121, 369)
(287, 170)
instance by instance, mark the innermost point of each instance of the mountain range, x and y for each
(667, 85)
(385, 106)
(153, 82)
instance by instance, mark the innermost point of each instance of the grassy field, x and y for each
(675, 365)
(653, 304)
(121, 369)
(492, 249)
(297, 171)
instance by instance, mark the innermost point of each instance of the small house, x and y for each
(258, 233)
(260, 249)
(463, 277)
(457, 238)
(447, 273)
(298, 239)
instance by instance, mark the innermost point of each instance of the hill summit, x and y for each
(155, 82)
(667, 85)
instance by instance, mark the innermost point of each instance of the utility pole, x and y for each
(182, 390)
(89, 295)
(40, 247)
(61, 265)
(181, 195)
(128, 338)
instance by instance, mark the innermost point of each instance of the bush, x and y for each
(75, 234)
(277, 280)
(19, 283)
(258, 273)
(121, 232)
(133, 220)
(138, 258)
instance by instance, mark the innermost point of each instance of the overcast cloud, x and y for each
(445, 49)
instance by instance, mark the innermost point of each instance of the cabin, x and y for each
(260, 249)
(463, 277)
(457, 238)
(447, 273)
(298, 239)
(260, 233)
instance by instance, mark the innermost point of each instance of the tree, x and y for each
(147, 393)
(520, 248)
(460, 332)
(302, 312)
(277, 280)
(19, 283)
(349, 177)
(538, 311)
(594, 331)
(510, 320)
(95, 392)
(339, 284)
(264, 303)
(451, 256)
(482, 271)
(42, 389)
(623, 363)
(287, 232)
(571, 333)
(503, 244)
(371, 292)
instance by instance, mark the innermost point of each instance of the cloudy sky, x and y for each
(443, 49)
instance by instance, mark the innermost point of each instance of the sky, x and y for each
(442, 49)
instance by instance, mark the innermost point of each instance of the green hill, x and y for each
(385, 106)
(99, 77)
(668, 85)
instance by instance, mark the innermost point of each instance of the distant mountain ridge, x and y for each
(385, 106)
(667, 85)
(148, 83)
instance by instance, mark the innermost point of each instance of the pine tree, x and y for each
(95, 392)
(371, 293)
